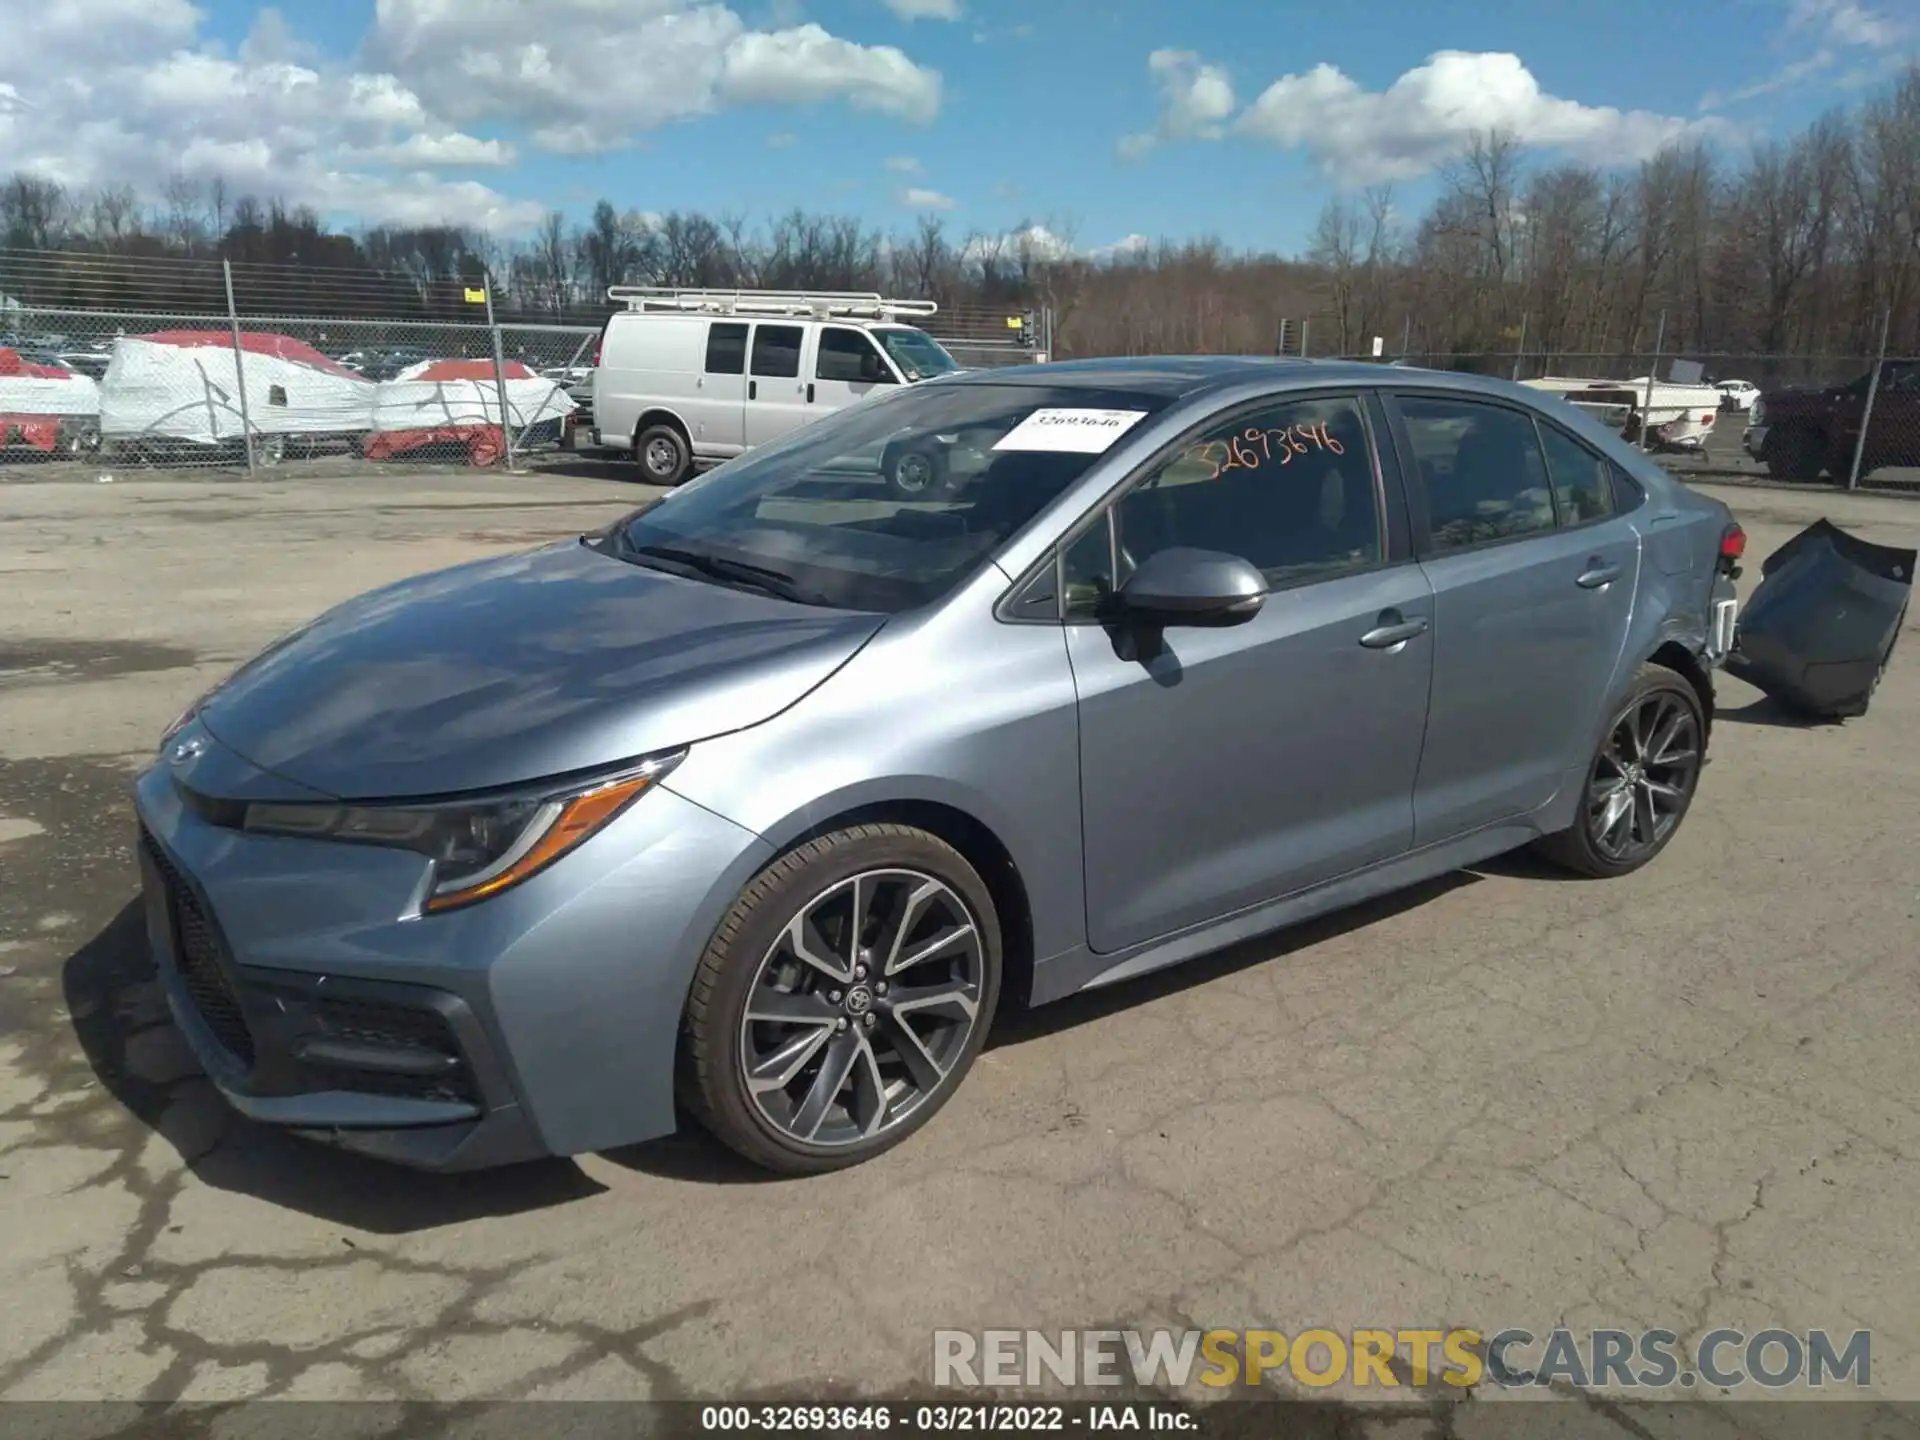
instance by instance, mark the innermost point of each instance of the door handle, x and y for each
(1598, 575)
(809, 392)
(1393, 634)
(753, 389)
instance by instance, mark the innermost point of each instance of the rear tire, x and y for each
(664, 455)
(803, 988)
(1640, 782)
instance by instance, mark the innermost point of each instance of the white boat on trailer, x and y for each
(1681, 416)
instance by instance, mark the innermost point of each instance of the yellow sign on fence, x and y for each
(476, 297)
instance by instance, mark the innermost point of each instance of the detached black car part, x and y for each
(1820, 629)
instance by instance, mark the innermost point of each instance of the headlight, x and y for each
(478, 847)
(1756, 413)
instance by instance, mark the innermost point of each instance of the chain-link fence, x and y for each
(1845, 420)
(124, 389)
(230, 380)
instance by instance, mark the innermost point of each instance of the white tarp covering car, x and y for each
(183, 386)
(48, 408)
(445, 404)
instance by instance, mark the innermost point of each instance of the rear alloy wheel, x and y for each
(664, 455)
(843, 999)
(1641, 782)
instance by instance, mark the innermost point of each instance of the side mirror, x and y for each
(1192, 587)
(872, 370)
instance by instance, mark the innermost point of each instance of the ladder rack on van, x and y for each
(820, 304)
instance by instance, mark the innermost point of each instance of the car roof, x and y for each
(1181, 377)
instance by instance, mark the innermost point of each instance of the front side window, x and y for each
(776, 351)
(1482, 470)
(1289, 488)
(849, 356)
(1582, 481)
(812, 517)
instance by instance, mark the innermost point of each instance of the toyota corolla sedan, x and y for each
(755, 806)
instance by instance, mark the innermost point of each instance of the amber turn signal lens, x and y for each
(578, 819)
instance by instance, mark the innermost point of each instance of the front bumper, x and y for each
(543, 1021)
(1754, 441)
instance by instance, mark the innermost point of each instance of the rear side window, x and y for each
(845, 355)
(1482, 470)
(1582, 481)
(776, 351)
(727, 349)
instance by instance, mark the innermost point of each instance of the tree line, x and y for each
(1797, 246)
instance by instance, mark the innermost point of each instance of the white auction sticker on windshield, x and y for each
(1078, 432)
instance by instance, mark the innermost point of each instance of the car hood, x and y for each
(518, 668)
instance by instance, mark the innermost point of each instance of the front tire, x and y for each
(664, 455)
(842, 1000)
(1796, 455)
(1641, 781)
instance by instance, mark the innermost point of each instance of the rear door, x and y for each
(717, 415)
(776, 392)
(847, 366)
(1533, 578)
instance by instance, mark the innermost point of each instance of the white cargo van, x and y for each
(690, 376)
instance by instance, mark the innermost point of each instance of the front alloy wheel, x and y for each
(1641, 782)
(843, 999)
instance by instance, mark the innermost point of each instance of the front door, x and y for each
(1533, 581)
(776, 393)
(1239, 765)
(847, 367)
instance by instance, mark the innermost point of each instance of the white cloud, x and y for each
(919, 199)
(925, 9)
(904, 165)
(1820, 35)
(1196, 99)
(1037, 242)
(1126, 245)
(586, 75)
(1430, 114)
(112, 92)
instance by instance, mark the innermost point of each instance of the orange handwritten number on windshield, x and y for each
(1255, 447)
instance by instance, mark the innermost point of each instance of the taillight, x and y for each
(1733, 545)
(1706, 419)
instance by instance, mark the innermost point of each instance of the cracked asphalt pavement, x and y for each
(1688, 1099)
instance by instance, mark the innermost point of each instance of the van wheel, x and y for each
(914, 474)
(664, 455)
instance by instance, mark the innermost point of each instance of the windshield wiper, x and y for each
(718, 567)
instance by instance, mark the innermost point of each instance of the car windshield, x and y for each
(888, 504)
(917, 353)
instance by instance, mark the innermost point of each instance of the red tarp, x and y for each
(35, 431)
(12, 366)
(281, 347)
(484, 444)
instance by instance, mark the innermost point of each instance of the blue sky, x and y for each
(1126, 119)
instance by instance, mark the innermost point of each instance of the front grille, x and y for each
(395, 1028)
(198, 956)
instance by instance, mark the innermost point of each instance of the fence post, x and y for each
(1406, 336)
(1653, 370)
(499, 370)
(1873, 390)
(1303, 339)
(1521, 353)
(239, 365)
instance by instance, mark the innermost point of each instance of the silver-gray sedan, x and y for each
(756, 805)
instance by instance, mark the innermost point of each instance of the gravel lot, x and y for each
(1686, 1099)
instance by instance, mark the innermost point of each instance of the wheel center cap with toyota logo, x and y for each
(859, 1000)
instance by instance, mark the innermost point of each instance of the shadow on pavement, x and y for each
(121, 1020)
(1769, 712)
